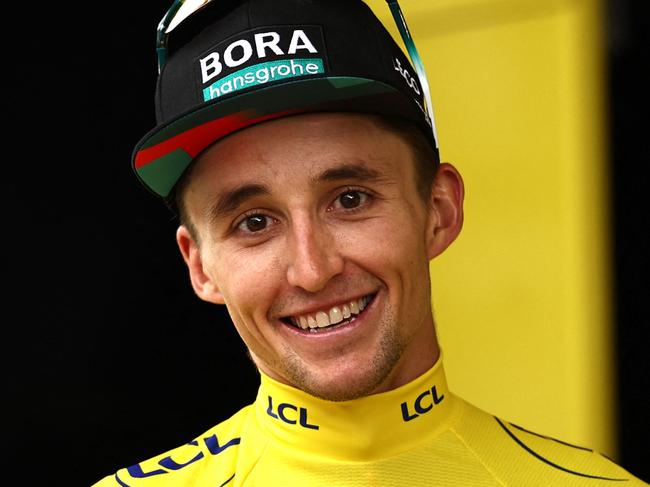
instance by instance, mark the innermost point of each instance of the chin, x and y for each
(342, 390)
(344, 382)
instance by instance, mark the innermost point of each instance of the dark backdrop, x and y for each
(109, 357)
(628, 79)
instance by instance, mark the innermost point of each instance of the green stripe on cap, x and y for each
(344, 82)
(162, 174)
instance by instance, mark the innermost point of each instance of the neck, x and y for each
(421, 355)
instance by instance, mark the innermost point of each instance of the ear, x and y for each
(203, 285)
(445, 219)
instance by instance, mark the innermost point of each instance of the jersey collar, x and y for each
(364, 429)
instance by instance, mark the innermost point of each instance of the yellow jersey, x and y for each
(420, 434)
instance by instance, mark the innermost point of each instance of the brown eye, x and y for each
(254, 223)
(351, 199)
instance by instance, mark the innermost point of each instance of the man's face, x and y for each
(312, 233)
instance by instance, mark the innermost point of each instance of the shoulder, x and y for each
(213, 454)
(517, 456)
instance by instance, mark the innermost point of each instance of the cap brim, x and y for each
(161, 156)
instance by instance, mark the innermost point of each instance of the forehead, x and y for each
(303, 148)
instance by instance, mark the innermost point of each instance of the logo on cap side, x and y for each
(410, 80)
(285, 52)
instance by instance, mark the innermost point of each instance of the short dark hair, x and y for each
(425, 157)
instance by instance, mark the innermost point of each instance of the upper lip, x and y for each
(313, 309)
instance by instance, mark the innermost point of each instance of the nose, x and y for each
(314, 258)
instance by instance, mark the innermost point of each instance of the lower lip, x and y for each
(339, 328)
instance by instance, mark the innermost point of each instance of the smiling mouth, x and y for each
(334, 317)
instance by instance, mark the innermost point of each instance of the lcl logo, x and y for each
(281, 414)
(422, 404)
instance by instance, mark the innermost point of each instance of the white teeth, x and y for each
(303, 323)
(322, 319)
(335, 315)
(311, 322)
(346, 311)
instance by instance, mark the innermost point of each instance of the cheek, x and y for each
(248, 281)
(394, 251)
(249, 284)
(394, 240)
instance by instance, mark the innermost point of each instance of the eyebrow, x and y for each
(348, 171)
(231, 200)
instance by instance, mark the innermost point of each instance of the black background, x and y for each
(109, 357)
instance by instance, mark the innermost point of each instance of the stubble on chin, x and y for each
(386, 356)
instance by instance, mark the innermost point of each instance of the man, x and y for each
(296, 143)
